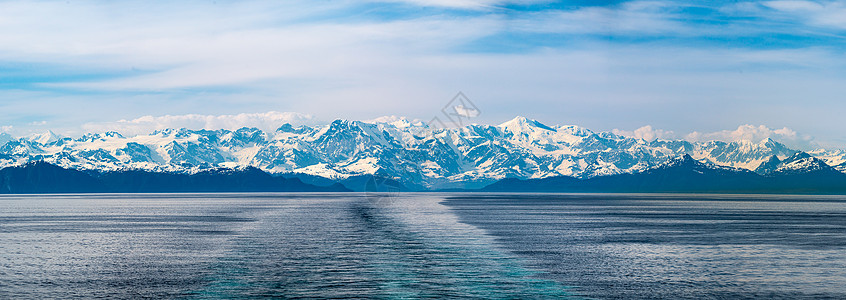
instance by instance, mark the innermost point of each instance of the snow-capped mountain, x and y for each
(834, 158)
(44, 138)
(5, 137)
(408, 151)
(799, 163)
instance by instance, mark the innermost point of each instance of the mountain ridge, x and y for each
(41, 177)
(687, 175)
(414, 154)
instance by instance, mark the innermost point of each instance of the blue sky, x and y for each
(695, 69)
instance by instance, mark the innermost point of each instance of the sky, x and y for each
(653, 69)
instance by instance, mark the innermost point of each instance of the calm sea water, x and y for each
(252, 246)
(422, 246)
(673, 246)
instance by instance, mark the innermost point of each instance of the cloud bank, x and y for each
(465, 4)
(268, 122)
(743, 133)
(647, 133)
(749, 133)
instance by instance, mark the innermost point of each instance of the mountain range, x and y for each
(797, 174)
(411, 154)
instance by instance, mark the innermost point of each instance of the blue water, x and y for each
(252, 246)
(673, 246)
(414, 246)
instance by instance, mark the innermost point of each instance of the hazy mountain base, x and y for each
(42, 177)
(684, 175)
(687, 176)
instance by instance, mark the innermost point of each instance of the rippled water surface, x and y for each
(514, 246)
(673, 246)
(251, 246)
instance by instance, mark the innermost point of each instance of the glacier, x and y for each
(411, 152)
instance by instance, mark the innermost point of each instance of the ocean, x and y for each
(427, 245)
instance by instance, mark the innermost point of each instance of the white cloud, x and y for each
(175, 46)
(469, 112)
(794, 6)
(743, 133)
(295, 56)
(466, 4)
(823, 14)
(268, 121)
(646, 132)
(751, 133)
(6, 128)
(639, 17)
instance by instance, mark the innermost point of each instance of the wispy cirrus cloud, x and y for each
(183, 50)
(616, 64)
(638, 18)
(466, 4)
(185, 45)
(828, 14)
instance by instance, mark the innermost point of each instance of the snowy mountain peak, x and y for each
(168, 131)
(114, 134)
(395, 121)
(834, 158)
(522, 124)
(90, 137)
(44, 138)
(797, 156)
(344, 124)
(688, 162)
(684, 160)
(5, 137)
(768, 166)
(769, 142)
(288, 128)
(800, 163)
